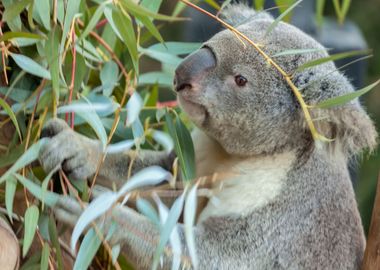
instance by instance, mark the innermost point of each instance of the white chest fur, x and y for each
(250, 184)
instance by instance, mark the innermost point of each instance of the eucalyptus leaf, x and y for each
(168, 228)
(13, 35)
(12, 116)
(176, 48)
(45, 257)
(15, 9)
(90, 245)
(10, 189)
(282, 16)
(160, 78)
(95, 209)
(189, 222)
(43, 9)
(30, 226)
(147, 210)
(50, 198)
(333, 57)
(28, 157)
(109, 76)
(340, 100)
(134, 106)
(30, 66)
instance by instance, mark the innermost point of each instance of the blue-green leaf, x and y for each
(30, 66)
(30, 226)
(90, 245)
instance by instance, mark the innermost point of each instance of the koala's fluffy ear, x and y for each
(350, 127)
(238, 14)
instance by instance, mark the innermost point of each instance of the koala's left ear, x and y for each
(350, 127)
(238, 14)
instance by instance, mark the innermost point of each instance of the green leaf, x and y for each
(319, 11)
(341, 11)
(178, 9)
(94, 20)
(52, 55)
(54, 239)
(30, 226)
(45, 256)
(90, 245)
(50, 198)
(43, 9)
(160, 78)
(299, 51)
(163, 57)
(131, 6)
(30, 66)
(259, 4)
(333, 57)
(183, 146)
(15, 9)
(336, 101)
(72, 10)
(28, 157)
(189, 222)
(213, 4)
(176, 48)
(12, 35)
(279, 18)
(150, 26)
(124, 26)
(109, 76)
(168, 227)
(153, 6)
(11, 114)
(10, 189)
(148, 210)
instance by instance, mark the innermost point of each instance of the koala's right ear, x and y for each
(238, 14)
(350, 127)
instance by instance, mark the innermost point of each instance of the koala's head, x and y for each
(231, 92)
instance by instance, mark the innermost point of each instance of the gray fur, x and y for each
(314, 222)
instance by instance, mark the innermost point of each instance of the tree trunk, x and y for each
(9, 248)
(372, 253)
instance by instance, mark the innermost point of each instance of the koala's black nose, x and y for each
(192, 67)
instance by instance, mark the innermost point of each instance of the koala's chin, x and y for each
(196, 112)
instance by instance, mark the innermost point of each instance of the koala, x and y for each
(287, 202)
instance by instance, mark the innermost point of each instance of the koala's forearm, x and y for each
(139, 238)
(118, 167)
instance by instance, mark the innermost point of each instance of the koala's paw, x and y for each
(67, 210)
(77, 155)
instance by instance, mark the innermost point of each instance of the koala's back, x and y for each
(313, 224)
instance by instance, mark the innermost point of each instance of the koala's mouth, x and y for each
(197, 112)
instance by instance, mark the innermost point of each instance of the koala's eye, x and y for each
(240, 80)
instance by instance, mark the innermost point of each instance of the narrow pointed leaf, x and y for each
(90, 245)
(15, 9)
(12, 35)
(28, 157)
(134, 106)
(279, 18)
(298, 51)
(189, 221)
(149, 176)
(45, 257)
(94, 20)
(95, 209)
(30, 66)
(333, 57)
(10, 190)
(147, 209)
(50, 198)
(12, 116)
(91, 117)
(30, 226)
(336, 101)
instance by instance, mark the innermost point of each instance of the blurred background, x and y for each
(358, 32)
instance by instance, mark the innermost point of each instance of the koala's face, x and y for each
(230, 91)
